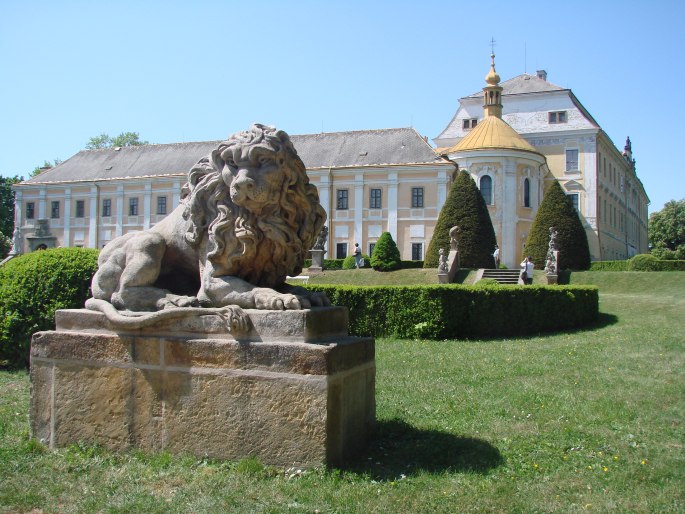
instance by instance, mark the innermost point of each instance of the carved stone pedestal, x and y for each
(317, 261)
(552, 279)
(296, 390)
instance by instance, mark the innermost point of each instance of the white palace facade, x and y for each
(547, 121)
(514, 138)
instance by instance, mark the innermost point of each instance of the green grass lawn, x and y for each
(586, 421)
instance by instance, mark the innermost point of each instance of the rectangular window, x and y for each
(470, 123)
(30, 210)
(341, 250)
(574, 200)
(416, 251)
(54, 210)
(107, 207)
(557, 117)
(572, 160)
(133, 207)
(341, 199)
(80, 208)
(375, 199)
(161, 205)
(371, 247)
(417, 197)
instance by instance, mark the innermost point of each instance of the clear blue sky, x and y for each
(200, 70)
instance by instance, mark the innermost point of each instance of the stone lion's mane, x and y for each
(259, 249)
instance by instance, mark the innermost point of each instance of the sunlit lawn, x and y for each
(590, 420)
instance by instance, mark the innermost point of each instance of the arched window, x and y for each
(526, 193)
(486, 189)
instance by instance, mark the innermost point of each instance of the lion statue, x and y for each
(247, 219)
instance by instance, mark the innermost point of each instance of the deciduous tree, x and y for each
(667, 231)
(123, 139)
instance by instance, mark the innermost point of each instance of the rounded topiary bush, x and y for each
(349, 262)
(643, 262)
(32, 288)
(385, 255)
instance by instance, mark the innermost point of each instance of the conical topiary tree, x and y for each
(556, 210)
(385, 255)
(466, 208)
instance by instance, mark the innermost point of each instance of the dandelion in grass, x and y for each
(643, 462)
(605, 469)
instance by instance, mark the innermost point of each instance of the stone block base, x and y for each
(193, 389)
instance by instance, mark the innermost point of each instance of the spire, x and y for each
(492, 93)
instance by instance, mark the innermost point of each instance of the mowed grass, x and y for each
(584, 421)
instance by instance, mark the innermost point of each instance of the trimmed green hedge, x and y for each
(335, 264)
(32, 288)
(458, 312)
(609, 266)
(641, 262)
(328, 264)
(411, 264)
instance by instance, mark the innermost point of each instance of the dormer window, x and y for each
(469, 123)
(557, 117)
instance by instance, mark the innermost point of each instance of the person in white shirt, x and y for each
(527, 268)
(496, 256)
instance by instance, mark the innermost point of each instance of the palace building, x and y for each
(517, 136)
(369, 182)
(514, 138)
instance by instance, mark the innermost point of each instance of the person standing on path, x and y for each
(358, 262)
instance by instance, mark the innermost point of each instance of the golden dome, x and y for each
(492, 132)
(492, 77)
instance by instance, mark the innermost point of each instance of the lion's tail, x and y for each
(237, 322)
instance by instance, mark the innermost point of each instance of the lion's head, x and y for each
(253, 200)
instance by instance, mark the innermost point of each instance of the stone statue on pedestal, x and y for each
(17, 242)
(247, 222)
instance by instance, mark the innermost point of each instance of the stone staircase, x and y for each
(503, 276)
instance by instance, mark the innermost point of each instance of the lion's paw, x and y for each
(268, 299)
(171, 301)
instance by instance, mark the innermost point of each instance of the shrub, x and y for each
(328, 264)
(385, 255)
(411, 264)
(647, 262)
(556, 210)
(456, 311)
(350, 263)
(32, 287)
(643, 262)
(666, 254)
(609, 266)
(466, 208)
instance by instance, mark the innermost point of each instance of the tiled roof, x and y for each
(492, 132)
(523, 84)
(332, 149)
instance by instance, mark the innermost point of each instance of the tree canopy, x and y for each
(556, 210)
(46, 166)
(667, 230)
(6, 213)
(123, 139)
(466, 208)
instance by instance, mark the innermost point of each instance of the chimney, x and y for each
(542, 74)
